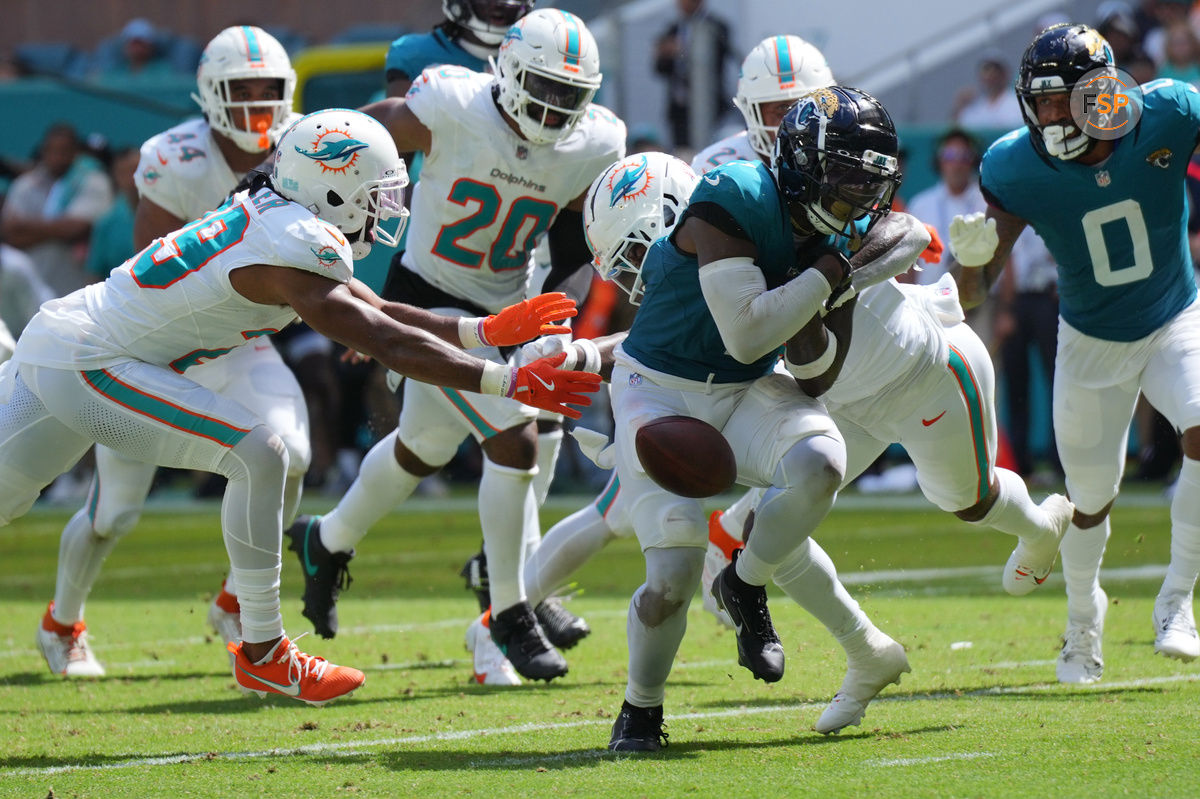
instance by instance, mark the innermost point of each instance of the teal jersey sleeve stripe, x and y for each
(608, 496)
(163, 411)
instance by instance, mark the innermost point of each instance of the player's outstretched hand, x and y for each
(543, 385)
(932, 254)
(528, 319)
(973, 239)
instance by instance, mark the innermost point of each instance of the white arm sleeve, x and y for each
(753, 321)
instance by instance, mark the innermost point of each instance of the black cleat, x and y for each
(475, 572)
(562, 627)
(517, 632)
(326, 574)
(758, 645)
(638, 729)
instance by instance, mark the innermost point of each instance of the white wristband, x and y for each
(587, 356)
(470, 332)
(498, 379)
(804, 371)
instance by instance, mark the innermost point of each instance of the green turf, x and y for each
(978, 719)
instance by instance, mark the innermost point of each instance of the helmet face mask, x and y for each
(235, 56)
(1053, 63)
(547, 72)
(486, 20)
(780, 69)
(343, 166)
(836, 161)
(631, 204)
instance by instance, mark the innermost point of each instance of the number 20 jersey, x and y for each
(1117, 229)
(173, 305)
(486, 195)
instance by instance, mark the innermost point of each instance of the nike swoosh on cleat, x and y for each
(292, 689)
(928, 422)
(308, 564)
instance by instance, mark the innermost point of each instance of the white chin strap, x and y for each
(1064, 141)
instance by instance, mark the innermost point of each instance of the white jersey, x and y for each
(898, 338)
(731, 148)
(172, 304)
(486, 195)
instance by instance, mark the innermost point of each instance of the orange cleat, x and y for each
(290, 672)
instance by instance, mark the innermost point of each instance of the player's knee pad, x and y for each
(115, 523)
(434, 446)
(812, 469)
(260, 455)
(299, 452)
(672, 575)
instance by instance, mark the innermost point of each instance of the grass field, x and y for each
(981, 714)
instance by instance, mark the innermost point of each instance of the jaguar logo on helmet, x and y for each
(336, 154)
(827, 101)
(629, 181)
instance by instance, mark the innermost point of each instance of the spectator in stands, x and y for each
(956, 161)
(692, 52)
(112, 235)
(49, 211)
(141, 55)
(992, 105)
(1167, 13)
(1116, 23)
(1181, 54)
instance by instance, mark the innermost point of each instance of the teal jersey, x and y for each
(1117, 229)
(413, 52)
(674, 332)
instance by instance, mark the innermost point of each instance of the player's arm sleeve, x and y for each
(751, 320)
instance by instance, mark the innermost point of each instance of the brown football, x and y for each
(686, 456)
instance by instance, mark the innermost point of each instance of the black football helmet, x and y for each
(489, 20)
(1054, 62)
(836, 160)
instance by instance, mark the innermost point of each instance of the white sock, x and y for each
(567, 546)
(81, 553)
(258, 596)
(506, 506)
(809, 577)
(1082, 551)
(549, 445)
(1014, 512)
(381, 485)
(1185, 532)
(672, 576)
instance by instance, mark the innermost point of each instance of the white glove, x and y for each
(596, 446)
(582, 354)
(973, 239)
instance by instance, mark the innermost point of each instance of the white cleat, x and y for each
(68, 654)
(1031, 562)
(1080, 660)
(491, 666)
(715, 562)
(866, 676)
(1175, 628)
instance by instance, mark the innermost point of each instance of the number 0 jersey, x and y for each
(486, 195)
(173, 305)
(1117, 229)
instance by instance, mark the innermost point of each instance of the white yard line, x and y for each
(355, 748)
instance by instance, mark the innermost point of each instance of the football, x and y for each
(686, 456)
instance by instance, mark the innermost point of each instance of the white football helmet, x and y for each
(548, 70)
(778, 68)
(343, 166)
(238, 53)
(488, 20)
(633, 202)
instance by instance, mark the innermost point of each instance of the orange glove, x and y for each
(526, 320)
(543, 385)
(933, 253)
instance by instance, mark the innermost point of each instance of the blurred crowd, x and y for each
(67, 220)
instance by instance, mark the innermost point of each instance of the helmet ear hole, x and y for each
(333, 198)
